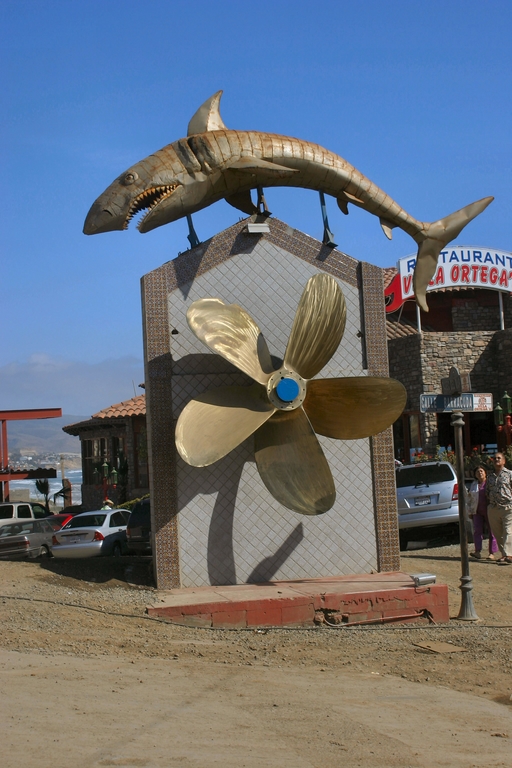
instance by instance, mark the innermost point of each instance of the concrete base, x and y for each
(366, 598)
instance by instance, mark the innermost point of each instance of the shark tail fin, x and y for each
(435, 237)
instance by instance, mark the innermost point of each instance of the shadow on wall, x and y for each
(223, 479)
(188, 264)
(268, 567)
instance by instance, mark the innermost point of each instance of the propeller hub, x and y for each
(286, 390)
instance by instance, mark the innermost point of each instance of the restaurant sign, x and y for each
(461, 266)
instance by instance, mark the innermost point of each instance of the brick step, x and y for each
(366, 598)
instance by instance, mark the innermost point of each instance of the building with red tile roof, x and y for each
(113, 441)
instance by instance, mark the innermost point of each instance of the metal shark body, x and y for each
(214, 162)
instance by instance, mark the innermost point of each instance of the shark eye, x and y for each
(130, 178)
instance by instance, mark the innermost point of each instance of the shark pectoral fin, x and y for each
(207, 117)
(345, 198)
(253, 164)
(387, 226)
(242, 201)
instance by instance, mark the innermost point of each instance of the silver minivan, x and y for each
(427, 495)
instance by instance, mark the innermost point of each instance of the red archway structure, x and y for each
(6, 474)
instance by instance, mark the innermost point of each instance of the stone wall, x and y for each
(421, 361)
(468, 315)
(503, 354)
(405, 365)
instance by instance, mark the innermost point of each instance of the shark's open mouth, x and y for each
(149, 199)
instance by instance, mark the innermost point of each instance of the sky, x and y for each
(416, 95)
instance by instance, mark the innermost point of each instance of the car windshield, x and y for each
(423, 475)
(86, 521)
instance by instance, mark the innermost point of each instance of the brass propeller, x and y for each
(231, 332)
(284, 408)
(354, 407)
(318, 327)
(292, 464)
(215, 422)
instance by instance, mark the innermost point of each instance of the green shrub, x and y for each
(130, 504)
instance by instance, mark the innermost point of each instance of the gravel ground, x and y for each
(97, 608)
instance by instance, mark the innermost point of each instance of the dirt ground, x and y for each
(88, 679)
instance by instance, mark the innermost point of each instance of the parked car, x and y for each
(102, 532)
(138, 532)
(26, 539)
(21, 510)
(59, 520)
(427, 495)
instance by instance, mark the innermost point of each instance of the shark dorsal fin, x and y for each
(207, 117)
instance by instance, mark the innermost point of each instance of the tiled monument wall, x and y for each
(219, 524)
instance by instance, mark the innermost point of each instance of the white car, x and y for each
(101, 532)
(26, 539)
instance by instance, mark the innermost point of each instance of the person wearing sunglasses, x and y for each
(499, 510)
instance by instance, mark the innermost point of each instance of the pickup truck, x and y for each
(21, 510)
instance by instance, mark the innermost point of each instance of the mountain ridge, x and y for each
(43, 435)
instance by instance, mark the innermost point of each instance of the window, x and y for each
(423, 474)
(39, 510)
(87, 521)
(116, 520)
(94, 453)
(24, 511)
(406, 435)
(6, 511)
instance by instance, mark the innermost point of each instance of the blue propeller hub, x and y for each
(287, 390)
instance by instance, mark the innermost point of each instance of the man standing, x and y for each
(499, 510)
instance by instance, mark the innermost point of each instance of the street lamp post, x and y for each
(107, 479)
(503, 421)
(467, 611)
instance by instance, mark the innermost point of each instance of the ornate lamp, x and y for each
(498, 415)
(506, 403)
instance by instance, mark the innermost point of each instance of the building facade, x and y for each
(114, 453)
(469, 326)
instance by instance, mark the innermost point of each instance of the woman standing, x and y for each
(478, 513)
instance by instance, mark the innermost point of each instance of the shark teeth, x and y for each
(148, 200)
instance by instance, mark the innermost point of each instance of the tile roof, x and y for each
(136, 406)
(388, 274)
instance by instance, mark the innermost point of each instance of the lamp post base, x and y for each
(467, 611)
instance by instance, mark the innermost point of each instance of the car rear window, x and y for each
(423, 475)
(140, 516)
(86, 521)
(10, 530)
(16, 529)
(6, 511)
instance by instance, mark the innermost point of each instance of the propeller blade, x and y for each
(354, 407)
(230, 331)
(292, 464)
(317, 328)
(215, 422)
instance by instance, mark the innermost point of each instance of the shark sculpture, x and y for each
(214, 162)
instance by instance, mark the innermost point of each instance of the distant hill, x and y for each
(43, 435)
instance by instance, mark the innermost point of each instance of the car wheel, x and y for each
(116, 551)
(44, 553)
